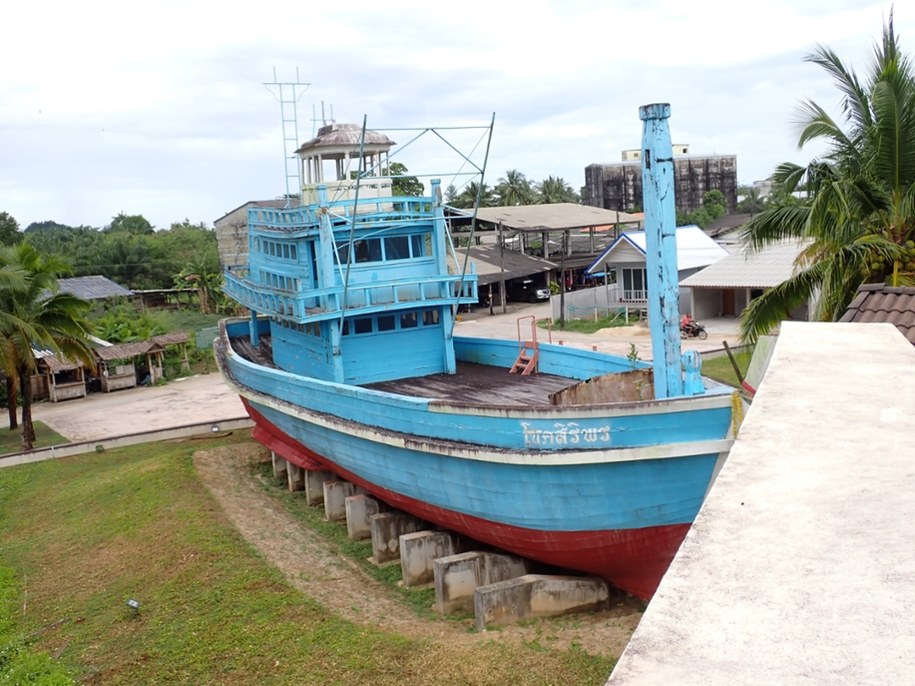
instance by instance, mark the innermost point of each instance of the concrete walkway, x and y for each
(196, 399)
(799, 568)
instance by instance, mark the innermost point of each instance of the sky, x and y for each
(161, 109)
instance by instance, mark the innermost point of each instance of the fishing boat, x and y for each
(349, 362)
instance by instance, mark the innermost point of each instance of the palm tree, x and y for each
(555, 189)
(474, 195)
(37, 314)
(859, 217)
(514, 189)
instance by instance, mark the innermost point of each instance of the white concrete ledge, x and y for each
(799, 568)
(99, 445)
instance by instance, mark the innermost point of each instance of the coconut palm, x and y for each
(555, 189)
(859, 216)
(474, 195)
(515, 189)
(37, 314)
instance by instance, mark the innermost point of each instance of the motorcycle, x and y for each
(693, 329)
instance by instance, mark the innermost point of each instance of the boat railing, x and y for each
(327, 303)
(375, 209)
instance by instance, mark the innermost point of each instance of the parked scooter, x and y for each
(692, 329)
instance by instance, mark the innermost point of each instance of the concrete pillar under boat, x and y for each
(359, 511)
(279, 466)
(661, 249)
(252, 329)
(537, 595)
(314, 485)
(458, 576)
(295, 477)
(335, 494)
(387, 528)
(418, 552)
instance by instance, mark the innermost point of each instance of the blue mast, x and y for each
(661, 249)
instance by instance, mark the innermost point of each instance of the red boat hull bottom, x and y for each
(633, 560)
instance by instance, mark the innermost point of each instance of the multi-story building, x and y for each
(619, 186)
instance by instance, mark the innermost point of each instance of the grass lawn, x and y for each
(82, 535)
(10, 441)
(720, 368)
(590, 325)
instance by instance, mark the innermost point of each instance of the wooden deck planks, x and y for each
(474, 383)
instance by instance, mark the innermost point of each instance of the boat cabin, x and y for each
(354, 285)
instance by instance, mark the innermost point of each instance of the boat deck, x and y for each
(477, 384)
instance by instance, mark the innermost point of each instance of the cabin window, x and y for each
(396, 248)
(345, 329)
(419, 244)
(430, 317)
(286, 250)
(362, 325)
(292, 252)
(367, 250)
(386, 322)
(408, 320)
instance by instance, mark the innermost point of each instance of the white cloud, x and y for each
(160, 109)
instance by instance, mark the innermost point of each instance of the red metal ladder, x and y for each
(528, 350)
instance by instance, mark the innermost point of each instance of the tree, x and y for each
(515, 189)
(475, 195)
(859, 220)
(750, 201)
(402, 183)
(135, 224)
(37, 314)
(555, 189)
(9, 229)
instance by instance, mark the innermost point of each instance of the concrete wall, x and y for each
(232, 237)
(619, 186)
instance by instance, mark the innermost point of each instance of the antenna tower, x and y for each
(287, 94)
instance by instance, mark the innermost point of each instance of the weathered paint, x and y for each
(632, 558)
(661, 249)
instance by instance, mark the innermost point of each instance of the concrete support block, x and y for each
(457, 576)
(295, 477)
(335, 494)
(387, 528)
(537, 595)
(314, 486)
(419, 550)
(279, 466)
(359, 511)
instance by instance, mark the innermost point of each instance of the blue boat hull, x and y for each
(609, 490)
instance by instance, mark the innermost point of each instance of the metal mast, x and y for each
(287, 94)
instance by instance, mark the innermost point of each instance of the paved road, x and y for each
(206, 398)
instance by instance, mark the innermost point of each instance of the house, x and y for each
(877, 302)
(726, 287)
(623, 265)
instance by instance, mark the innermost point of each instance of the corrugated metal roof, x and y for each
(553, 217)
(694, 248)
(878, 302)
(488, 263)
(763, 269)
(93, 287)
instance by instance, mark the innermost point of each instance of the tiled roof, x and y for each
(877, 302)
(92, 287)
(763, 269)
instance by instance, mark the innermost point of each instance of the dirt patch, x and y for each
(336, 582)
